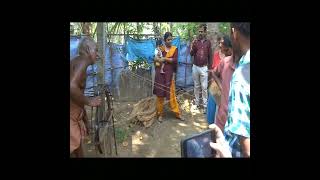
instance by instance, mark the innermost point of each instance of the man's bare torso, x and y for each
(78, 77)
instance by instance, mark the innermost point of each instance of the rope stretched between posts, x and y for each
(159, 85)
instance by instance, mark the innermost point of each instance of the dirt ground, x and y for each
(159, 140)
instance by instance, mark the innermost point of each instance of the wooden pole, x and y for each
(101, 49)
(156, 32)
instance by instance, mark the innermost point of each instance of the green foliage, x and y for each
(185, 30)
(121, 134)
(140, 63)
(127, 28)
(77, 28)
(164, 28)
(224, 28)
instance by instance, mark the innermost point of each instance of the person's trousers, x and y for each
(173, 102)
(200, 79)
(211, 109)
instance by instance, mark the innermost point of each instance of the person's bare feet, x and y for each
(180, 118)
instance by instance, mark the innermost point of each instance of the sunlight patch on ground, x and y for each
(196, 124)
(185, 105)
(194, 110)
(138, 138)
(182, 124)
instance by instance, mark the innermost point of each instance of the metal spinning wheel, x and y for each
(104, 132)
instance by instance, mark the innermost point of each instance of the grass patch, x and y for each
(121, 134)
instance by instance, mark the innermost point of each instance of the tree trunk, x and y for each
(157, 35)
(213, 31)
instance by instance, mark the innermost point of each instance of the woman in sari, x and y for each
(164, 86)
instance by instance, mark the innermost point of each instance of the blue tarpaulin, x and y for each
(184, 70)
(74, 42)
(211, 109)
(116, 55)
(132, 50)
(140, 48)
(144, 48)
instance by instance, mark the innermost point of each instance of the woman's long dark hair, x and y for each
(166, 35)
